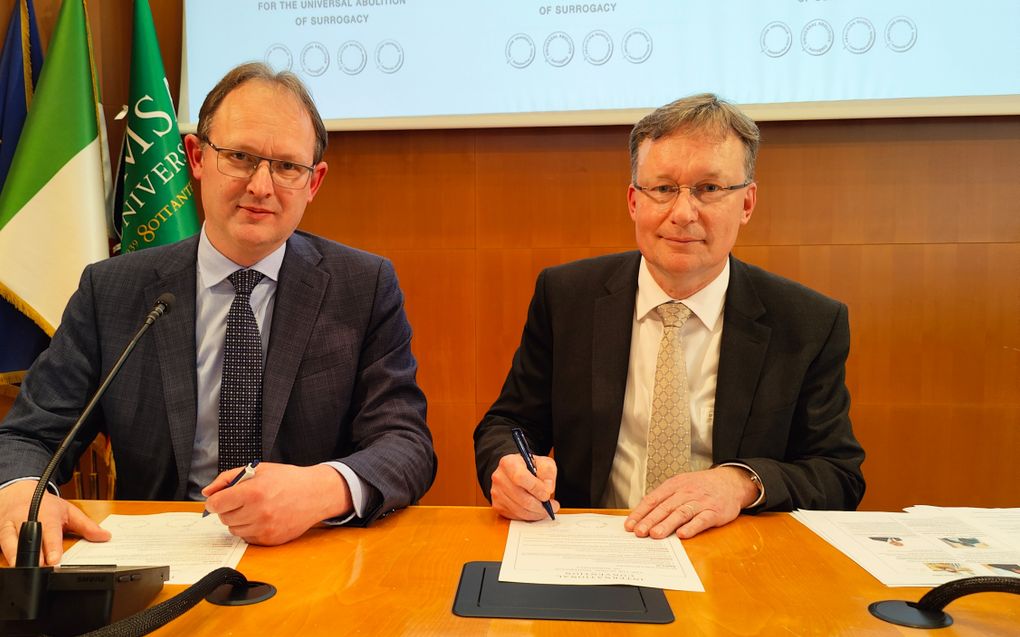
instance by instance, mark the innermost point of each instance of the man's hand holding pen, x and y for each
(274, 506)
(518, 495)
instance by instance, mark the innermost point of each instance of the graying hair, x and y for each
(702, 113)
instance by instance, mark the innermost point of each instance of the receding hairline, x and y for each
(285, 81)
(280, 94)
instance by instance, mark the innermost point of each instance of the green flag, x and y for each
(159, 203)
(52, 221)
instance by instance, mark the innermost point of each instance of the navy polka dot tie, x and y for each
(241, 388)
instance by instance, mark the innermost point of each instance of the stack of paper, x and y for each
(926, 545)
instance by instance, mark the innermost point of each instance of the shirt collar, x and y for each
(213, 267)
(707, 303)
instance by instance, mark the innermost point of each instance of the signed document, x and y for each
(593, 548)
(189, 544)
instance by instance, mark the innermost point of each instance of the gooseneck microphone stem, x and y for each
(30, 537)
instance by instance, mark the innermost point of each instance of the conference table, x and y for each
(763, 575)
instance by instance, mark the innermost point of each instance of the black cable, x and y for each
(163, 613)
(937, 598)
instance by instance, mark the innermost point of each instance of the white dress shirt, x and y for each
(701, 340)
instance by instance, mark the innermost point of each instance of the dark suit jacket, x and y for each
(781, 401)
(339, 376)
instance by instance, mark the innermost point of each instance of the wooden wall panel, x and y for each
(389, 190)
(441, 306)
(914, 223)
(947, 454)
(552, 187)
(888, 181)
(455, 480)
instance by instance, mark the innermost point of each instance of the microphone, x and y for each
(29, 592)
(159, 308)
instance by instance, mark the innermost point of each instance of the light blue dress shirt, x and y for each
(213, 295)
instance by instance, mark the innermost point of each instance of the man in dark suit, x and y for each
(677, 381)
(341, 434)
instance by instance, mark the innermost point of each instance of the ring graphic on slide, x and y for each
(900, 34)
(597, 47)
(389, 56)
(520, 50)
(314, 59)
(776, 39)
(816, 37)
(279, 58)
(859, 35)
(637, 46)
(558, 49)
(351, 57)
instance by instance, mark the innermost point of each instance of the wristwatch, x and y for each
(756, 481)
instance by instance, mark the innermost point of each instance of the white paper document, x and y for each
(191, 545)
(925, 546)
(592, 548)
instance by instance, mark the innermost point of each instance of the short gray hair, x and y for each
(702, 113)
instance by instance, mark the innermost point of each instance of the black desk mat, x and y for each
(481, 594)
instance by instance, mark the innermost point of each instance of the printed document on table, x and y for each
(191, 545)
(592, 548)
(926, 546)
(1004, 522)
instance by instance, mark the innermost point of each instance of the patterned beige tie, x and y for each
(669, 428)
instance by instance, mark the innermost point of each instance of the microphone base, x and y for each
(70, 600)
(241, 595)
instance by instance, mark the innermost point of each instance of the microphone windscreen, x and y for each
(166, 299)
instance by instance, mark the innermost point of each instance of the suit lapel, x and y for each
(299, 295)
(611, 331)
(742, 353)
(175, 347)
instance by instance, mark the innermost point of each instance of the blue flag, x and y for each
(21, 56)
(21, 340)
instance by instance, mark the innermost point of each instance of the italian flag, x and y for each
(52, 208)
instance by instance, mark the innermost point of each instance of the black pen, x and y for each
(242, 475)
(529, 461)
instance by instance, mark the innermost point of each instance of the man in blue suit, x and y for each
(343, 434)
